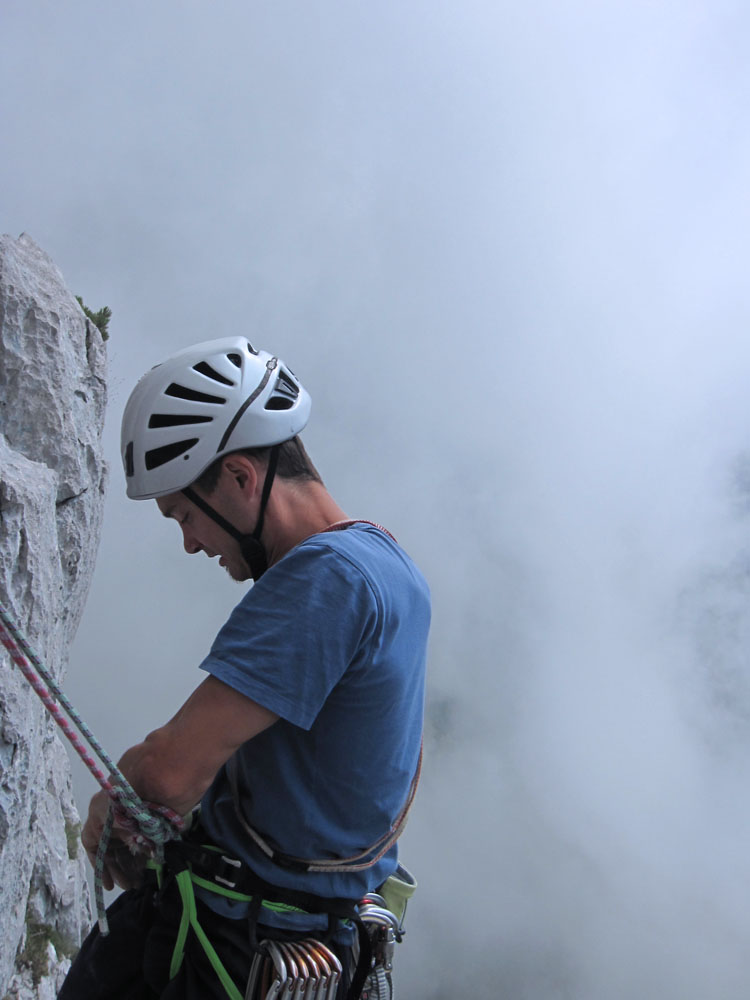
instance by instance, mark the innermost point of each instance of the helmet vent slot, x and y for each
(284, 394)
(203, 368)
(279, 403)
(175, 420)
(251, 348)
(181, 392)
(236, 360)
(159, 456)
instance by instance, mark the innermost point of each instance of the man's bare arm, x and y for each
(176, 763)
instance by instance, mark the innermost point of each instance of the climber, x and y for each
(297, 757)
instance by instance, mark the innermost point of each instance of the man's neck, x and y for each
(295, 511)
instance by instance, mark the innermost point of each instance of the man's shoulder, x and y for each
(368, 549)
(349, 566)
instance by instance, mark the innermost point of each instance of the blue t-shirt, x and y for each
(332, 639)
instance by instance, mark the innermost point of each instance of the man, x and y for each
(302, 746)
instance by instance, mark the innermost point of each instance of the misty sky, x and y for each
(505, 248)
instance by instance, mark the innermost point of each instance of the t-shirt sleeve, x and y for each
(294, 634)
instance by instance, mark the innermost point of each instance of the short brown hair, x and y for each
(293, 463)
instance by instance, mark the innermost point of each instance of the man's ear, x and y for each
(241, 474)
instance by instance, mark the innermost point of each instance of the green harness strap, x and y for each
(185, 881)
(190, 919)
(231, 894)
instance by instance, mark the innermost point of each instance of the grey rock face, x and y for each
(52, 478)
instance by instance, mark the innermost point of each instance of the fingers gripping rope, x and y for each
(101, 851)
(150, 826)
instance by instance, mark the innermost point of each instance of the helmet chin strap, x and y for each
(252, 549)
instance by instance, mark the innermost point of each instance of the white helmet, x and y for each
(204, 402)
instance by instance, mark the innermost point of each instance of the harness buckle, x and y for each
(225, 881)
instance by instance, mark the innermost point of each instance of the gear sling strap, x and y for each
(356, 862)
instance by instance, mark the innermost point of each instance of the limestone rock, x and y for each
(52, 479)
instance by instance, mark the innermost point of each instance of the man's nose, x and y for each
(189, 542)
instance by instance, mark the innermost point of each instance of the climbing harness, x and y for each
(204, 866)
(149, 826)
(289, 968)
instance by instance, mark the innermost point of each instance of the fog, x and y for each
(505, 249)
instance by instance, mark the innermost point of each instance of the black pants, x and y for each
(133, 961)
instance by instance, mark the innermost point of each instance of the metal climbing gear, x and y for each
(308, 970)
(294, 970)
(385, 930)
(383, 913)
(150, 826)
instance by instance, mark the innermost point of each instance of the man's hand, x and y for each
(114, 873)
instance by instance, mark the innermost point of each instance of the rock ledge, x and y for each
(52, 480)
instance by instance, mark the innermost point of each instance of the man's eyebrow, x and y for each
(169, 512)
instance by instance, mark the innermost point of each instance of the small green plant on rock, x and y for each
(100, 319)
(72, 837)
(34, 955)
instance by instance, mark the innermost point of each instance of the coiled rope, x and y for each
(149, 826)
